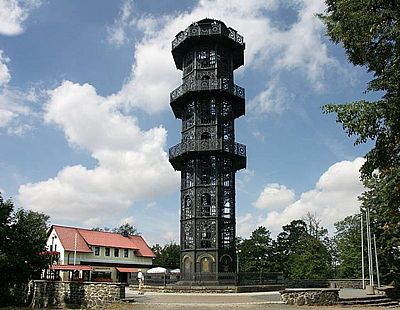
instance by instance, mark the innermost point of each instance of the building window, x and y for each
(107, 252)
(116, 252)
(96, 250)
(126, 253)
(98, 276)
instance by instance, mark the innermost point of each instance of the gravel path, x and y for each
(248, 301)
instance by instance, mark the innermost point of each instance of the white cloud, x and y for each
(117, 32)
(16, 114)
(127, 220)
(170, 236)
(13, 14)
(274, 196)
(333, 198)
(271, 100)
(269, 48)
(4, 72)
(131, 163)
(302, 46)
(245, 225)
(243, 178)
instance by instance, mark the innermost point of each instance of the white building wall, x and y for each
(54, 242)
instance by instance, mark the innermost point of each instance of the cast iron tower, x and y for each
(208, 102)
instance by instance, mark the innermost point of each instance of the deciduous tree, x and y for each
(23, 236)
(369, 32)
(126, 229)
(348, 242)
(167, 256)
(303, 256)
(256, 254)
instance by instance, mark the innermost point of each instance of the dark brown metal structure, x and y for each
(208, 102)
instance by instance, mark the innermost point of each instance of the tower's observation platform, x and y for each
(204, 32)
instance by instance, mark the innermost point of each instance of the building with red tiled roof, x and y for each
(97, 255)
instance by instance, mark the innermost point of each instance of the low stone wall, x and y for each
(310, 297)
(325, 283)
(58, 294)
(346, 283)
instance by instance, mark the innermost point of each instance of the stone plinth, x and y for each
(310, 296)
(58, 294)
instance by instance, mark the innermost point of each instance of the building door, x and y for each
(123, 277)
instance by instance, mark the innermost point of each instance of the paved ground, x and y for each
(186, 301)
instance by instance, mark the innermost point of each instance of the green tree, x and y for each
(256, 253)
(311, 260)
(385, 223)
(23, 236)
(167, 256)
(314, 227)
(126, 229)
(302, 256)
(369, 32)
(123, 229)
(348, 242)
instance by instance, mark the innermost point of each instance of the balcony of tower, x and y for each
(181, 152)
(195, 89)
(208, 31)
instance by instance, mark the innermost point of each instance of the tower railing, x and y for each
(197, 145)
(222, 84)
(206, 30)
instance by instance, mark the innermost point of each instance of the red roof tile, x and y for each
(143, 248)
(87, 237)
(107, 239)
(67, 239)
(127, 269)
(70, 267)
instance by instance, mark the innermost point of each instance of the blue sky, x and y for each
(85, 122)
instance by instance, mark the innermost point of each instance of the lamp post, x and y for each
(52, 248)
(237, 266)
(362, 251)
(376, 262)
(237, 260)
(370, 287)
(52, 251)
(370, 263)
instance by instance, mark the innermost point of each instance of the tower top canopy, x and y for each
(207, 31)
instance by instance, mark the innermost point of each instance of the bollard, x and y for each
(370, 290)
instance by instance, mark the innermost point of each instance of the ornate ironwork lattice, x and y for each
(208, 102)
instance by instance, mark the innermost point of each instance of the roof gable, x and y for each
(67, 237)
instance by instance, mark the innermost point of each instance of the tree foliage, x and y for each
(123, 229)
(23, 236)
(256, 253)
(304, 255)
(167, 256)
(295, 252)
(126, 229)
(348, 242)
(369, 32)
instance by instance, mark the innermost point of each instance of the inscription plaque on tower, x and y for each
(208, 102)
